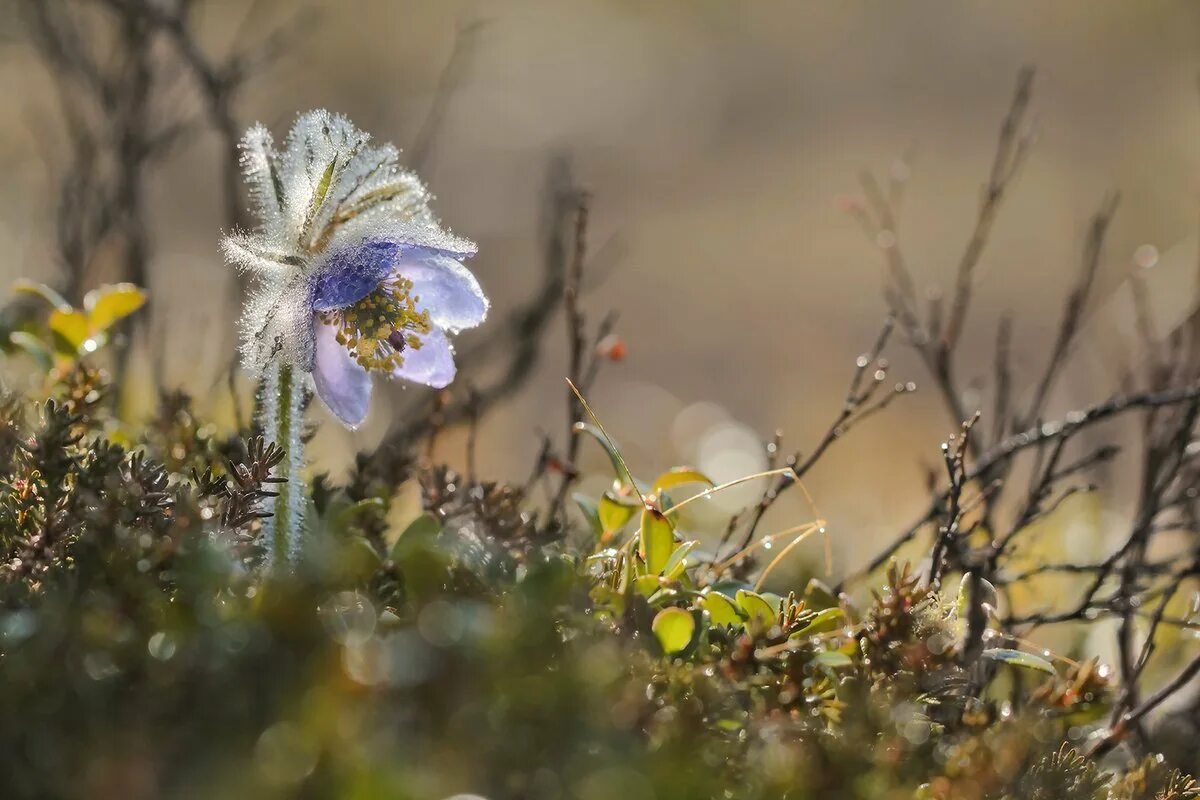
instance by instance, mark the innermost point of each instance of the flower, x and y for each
(352, 273)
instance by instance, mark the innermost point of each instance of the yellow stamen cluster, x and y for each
(377, 328)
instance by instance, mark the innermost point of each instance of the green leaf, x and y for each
(420, 533)
(590, 512)
(627, 572)
(677, 563)
(656, 541)
(1019, 658)
(758, 611)
(962, 604)
(608, 600)
(71, 325)
(817, 595)
(674, 628)
(678, 476)
(609, 448)
(423, 564)
(33, 346)
(110, 304)
(832, 659)
(721, 609)
(730, 587)
(321, 190)
(347, 516)
(647, 585)
(822, 622)
(56, 300)
(359, 560)
(614, 511)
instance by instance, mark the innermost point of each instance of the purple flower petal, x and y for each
(351, 274)
(343, 385)
(445, 288)
(432, 364)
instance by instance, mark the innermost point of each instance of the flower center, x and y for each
(378, 328)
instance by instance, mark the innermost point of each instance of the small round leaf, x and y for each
(674, 628)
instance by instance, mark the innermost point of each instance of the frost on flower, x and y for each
(352, 273)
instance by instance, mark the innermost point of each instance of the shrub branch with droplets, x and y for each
(353, 275)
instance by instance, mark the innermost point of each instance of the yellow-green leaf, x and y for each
(110, 304)
(822, 622)
(817, 595)
(656, 541)
(677, 563)
(647, 585)
(614, 511)
(678, 476)
(72, 326)
(1019, 658)
(963, 602)
(721, 609)
(674, 628)
(758, 611)
(832, 659)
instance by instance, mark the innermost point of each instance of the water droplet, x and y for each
(1145, 257)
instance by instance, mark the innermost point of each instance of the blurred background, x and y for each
(722, 143)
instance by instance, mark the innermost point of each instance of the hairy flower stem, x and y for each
(281, 412)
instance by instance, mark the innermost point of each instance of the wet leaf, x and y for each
(674, 628)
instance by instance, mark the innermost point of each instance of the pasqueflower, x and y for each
(352, 274)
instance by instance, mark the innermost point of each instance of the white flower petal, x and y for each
(343, 385)
(447, 290)
(432, 364)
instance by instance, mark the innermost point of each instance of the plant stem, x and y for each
(281, 411)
